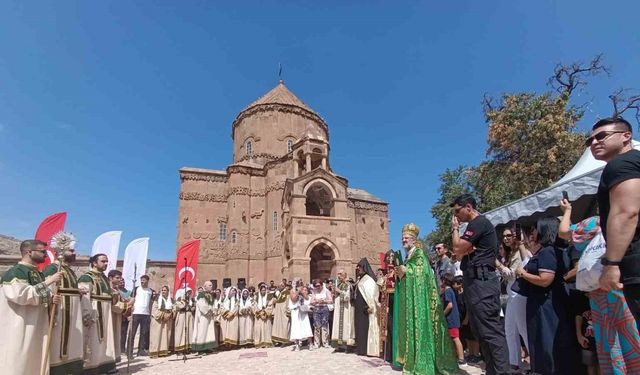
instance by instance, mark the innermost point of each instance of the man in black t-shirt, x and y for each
(478, 249)
(619, 203)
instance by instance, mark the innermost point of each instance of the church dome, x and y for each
(281, 99)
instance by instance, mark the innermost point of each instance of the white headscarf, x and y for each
(180, 293)
(168, 302)
(263, 301)
(245, 304)
(230, 302)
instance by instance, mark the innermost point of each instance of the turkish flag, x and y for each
(186, 266)
(50, 226)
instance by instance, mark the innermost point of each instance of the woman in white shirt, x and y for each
(515, 323)
(300, 306)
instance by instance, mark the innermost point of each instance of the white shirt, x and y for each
(143, 299)
(458, 271)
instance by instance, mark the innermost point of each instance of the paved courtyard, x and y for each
(272, 361)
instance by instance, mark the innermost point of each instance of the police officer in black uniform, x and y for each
(478, 249)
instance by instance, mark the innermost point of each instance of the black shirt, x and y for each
(623, 167)
(482, 235)
(543, 261)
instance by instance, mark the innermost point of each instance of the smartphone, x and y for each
(518, 231)
(565, 195)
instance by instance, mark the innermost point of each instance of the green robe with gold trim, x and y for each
(99, 354)
(66, 353)
(424, 345)
(24, 302)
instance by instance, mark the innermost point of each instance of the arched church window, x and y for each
(222, 232)
(319, 200)
(249, 148)
(275, 221)
(234, 237)
(289, 145)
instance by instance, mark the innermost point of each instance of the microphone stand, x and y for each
(129, 338)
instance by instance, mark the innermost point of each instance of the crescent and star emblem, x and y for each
(187, 269)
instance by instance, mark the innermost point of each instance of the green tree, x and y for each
(453, 182)
(532, 142)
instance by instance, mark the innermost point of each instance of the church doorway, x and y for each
(322, 262)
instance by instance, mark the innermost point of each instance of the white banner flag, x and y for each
(108, 243)
(135, 261)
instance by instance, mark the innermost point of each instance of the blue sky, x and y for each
(102, 102)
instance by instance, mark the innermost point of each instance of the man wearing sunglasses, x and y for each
(619, 203)
(25, 298)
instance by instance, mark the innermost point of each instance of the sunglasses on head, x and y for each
(602, 136)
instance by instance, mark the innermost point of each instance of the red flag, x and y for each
(186, 266)
(382, 264)
(50, 226)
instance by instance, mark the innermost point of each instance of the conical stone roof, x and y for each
(280, 95)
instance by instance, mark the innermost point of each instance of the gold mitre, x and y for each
(411, 229)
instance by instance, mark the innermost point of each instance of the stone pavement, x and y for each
(272, 361)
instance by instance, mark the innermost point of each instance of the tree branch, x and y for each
(623, 102)
(488, 104)
(567, 78)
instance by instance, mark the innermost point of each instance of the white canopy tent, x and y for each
(581, 184)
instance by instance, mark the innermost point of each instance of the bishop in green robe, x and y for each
(424, 345)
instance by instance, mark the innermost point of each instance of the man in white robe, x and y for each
(100, 353)
(366, 304)
(342, 334)
(183, 328)
(120, 307)
(25, 298)
(66, 354)
(204, 330)
(281, 320)
(162, 314)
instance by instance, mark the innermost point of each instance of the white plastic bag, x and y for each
(589, 267)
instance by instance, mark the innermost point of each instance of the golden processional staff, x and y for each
(60, 242)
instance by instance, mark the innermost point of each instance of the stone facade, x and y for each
(278, 210)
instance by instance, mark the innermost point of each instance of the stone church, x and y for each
(278, 210)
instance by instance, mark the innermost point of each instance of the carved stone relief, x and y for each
(367, 206)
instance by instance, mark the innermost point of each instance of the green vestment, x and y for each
(424, 345)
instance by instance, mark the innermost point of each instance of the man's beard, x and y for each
(407, 246)
(39, 260)
(70, 258)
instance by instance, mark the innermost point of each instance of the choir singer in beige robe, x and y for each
(100, 352)
(162, 313)
(25, 298)
(183, 327)
(342, 334)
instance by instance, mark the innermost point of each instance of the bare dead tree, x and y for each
(623, 100)
(566, 78)
(488, 103)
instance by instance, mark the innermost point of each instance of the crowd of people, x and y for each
(499, 299)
